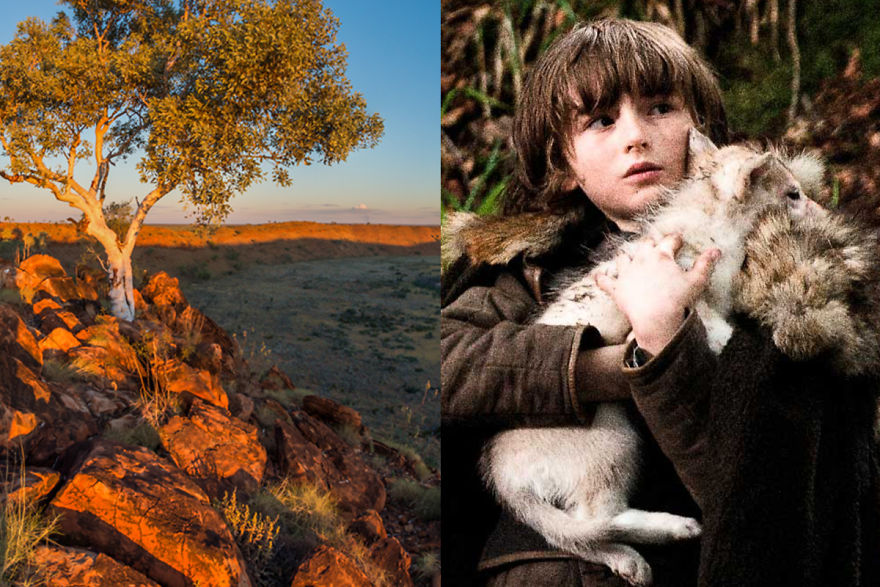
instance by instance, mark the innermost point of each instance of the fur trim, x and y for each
(814, 282)
(497, 240)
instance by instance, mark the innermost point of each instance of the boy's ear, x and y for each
(700, 149)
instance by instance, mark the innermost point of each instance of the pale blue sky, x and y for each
(393, 60)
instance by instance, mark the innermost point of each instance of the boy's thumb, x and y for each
(704, 265)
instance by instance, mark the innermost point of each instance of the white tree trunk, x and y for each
(121, 280)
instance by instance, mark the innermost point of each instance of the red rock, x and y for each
(144, 512)
(65, 289)
(369, 526)
(164, 290)
(17, 341)
(45, 304)
(390, 555)
(331, 412)
(38, 417)
(276, 379)
(311, 452)
(37, 483)
(52, 319)
(59, 339)
(219, 452)
(181, 378)
(62, 566)
(327, 567)
(107, 355)
(33, 270)
(101, 403)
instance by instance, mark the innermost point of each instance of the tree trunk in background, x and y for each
(795, 59)
(774, 29)
(753, 20)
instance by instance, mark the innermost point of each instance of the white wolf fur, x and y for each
(573, 484)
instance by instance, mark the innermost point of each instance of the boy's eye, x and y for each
(662, 108)
(598, 122)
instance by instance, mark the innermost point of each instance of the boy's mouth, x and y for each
(643, 170)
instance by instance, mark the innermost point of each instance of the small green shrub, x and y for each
(425, 501)
(143, 434)
(254, 532)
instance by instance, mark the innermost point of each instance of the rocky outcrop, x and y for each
(333, 413)
(219, 452)
(32, 487)
(39, 419)
(310, 452)
(62, 566)
(327, 566)
(388, 554)
(146, 513)
(192, 425)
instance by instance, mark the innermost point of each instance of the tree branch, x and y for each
(137, 222)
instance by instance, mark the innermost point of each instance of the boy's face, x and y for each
(623, 157)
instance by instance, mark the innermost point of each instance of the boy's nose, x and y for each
(632, 129)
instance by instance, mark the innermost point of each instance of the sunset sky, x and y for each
(394, 54)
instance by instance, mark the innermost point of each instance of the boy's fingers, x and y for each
(670, 244)
(605, 283)
(703, 266)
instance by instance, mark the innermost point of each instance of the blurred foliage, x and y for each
(488, 48)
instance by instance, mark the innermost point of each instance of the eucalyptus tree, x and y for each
(209, 96)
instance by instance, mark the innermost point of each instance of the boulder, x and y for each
(33, 271)
(65, 289)
(390, 555)
(40, 418)
(181, 378)
(37, 483)
(369, 526)
(311, 452)
(219, 452)
(51, 319)
(62, 566)
(327, 566)
(275, 379)
(144, 512)
(59, 339)
(17, 341)
(45, 304)
(333, 413)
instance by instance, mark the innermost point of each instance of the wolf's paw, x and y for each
(686, 528)
(634, 571)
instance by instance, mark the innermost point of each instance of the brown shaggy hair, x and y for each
(587, 70)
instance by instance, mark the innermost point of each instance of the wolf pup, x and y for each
(572, 484)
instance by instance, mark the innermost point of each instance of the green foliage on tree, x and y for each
(211, 96)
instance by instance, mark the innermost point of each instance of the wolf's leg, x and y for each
(644, 527)
(622, 559)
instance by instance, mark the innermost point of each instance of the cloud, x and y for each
(360, 207)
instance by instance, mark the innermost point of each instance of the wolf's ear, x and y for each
(735, 181)
(809, 169)
(700, 149)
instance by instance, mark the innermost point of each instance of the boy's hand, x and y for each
(653, 291)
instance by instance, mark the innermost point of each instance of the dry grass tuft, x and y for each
(22, 529)
(310, 516)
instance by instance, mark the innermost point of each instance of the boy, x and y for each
(601, 129)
